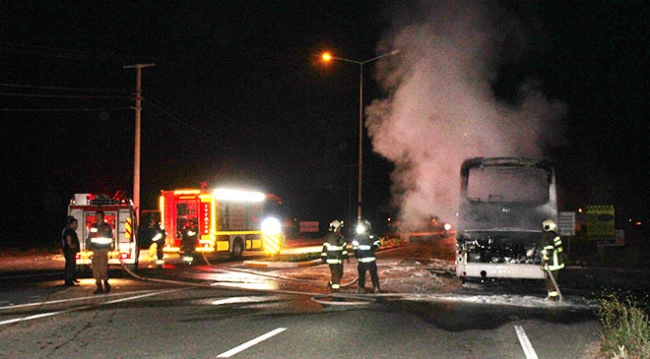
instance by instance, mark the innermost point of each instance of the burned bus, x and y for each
(503, 201)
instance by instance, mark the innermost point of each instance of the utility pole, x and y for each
(136, 158)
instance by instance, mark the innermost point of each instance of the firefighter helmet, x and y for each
(335, 224)
(549, 226)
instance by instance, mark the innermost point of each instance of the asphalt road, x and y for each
(182, 322)
(227, 310)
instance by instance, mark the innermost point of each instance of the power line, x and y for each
(173, 113)
(64, 88)
(62, 109)
(189, 129)
(63, 96)
(43, 51)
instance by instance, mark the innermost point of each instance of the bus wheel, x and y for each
(237, 249)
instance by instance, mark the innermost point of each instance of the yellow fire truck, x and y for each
(119, 213)
(228, 220)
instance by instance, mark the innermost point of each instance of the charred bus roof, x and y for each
(504, 161)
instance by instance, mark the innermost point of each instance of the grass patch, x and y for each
(626, 325)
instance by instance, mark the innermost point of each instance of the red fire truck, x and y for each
(228, 220)
(119, 213)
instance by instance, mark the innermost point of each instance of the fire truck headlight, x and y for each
(271, 225)
(447, 226)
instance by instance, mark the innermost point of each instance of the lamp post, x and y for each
(328, 57)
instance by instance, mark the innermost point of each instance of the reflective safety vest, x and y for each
(101, 236)
(364, 247)
(334, 249)
(157, 237)
(552, 252)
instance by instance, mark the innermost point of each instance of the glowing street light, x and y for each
(327, 57)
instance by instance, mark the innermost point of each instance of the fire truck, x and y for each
(120, 214)
(229, 220)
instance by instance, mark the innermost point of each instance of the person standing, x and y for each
(364, 246)
(552, 258)
(100, 241)
(154, 234)
(70, 247)
(189, 239)
(333, 253)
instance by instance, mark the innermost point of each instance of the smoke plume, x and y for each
(441, 107)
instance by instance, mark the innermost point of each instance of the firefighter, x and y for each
(189, 237)
(70, 246)
(154, 234)
(100, 241)
(364, 246)
(552, 258)
(333, 253)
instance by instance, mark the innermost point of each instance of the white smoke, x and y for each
(441, 108)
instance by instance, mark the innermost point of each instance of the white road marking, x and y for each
(525, 343)
(250, 343)
(70, 300)
(247, 299)
(43, 315)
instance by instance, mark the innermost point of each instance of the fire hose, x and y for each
(550, 274)
(330, 299)
(347, 299)
(322, 298)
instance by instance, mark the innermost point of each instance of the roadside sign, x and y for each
(566, 223)
(620, 239)
(308, 226)
(600, 223)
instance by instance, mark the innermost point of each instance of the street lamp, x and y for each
(329, 57)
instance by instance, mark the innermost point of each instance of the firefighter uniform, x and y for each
(100, 241)
(364, 246)
(552, 258)
(70, 246)
(189, 238)
(154, 234)
(333, 253)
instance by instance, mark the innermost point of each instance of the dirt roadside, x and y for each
(14, 261)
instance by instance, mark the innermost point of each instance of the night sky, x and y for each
(238, 95)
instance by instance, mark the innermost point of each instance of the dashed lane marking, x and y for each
(44, 315)
(250, 343)
(525, 343)
(49, 302)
